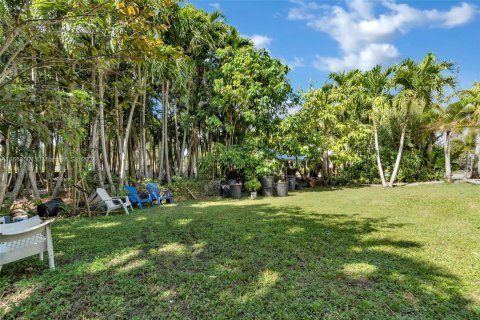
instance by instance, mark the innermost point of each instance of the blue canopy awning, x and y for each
(285, 157)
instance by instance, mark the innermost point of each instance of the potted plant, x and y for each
(253, 185)
(266, 169)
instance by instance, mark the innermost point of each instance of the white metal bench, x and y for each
(24, 239)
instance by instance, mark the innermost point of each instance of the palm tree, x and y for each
(450, 120)
(419, 86)
(376, 87)
(471, 100)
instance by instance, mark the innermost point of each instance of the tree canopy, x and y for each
(96, 93)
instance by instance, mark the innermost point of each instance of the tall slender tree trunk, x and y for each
(125, 142)
(142, 164)
(325, 168)
(106, 165)
(33, 180)
(429, 150)
(182, 149)
(476, 156)
(191, 150)
(447, 150)
(31, 172)
(399, 156)
(182, 155)
(94, 154)
(177, 139)
(153, 159)
(4, 167)
(377, 154)
(21, 171)
(91, 146)
(165, 124)
(162, 172)
(161, 150)
(119, 123)
(61, 174)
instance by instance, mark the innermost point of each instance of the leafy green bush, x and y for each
(253, 185)
(412, 168)
(238, 162)
(200, 188)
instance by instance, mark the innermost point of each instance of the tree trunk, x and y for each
(102, 131)
(33, 180)
(143, 149)
(96, 155)
(448, 166)
(21, 171)
(162, 150)
(182, 155)
(166, 106)
(429, 150)
(191, 150)
(93, 137)
(177, 139)
(58, 185)
(125, 142)
(325, 168)
(399, 157)
(119, 116)
(476, 156)
(377, 154)
(4, 167)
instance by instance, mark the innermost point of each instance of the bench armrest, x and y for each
(13, 236)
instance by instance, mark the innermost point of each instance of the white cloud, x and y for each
(366, 59)
(260, 41)
(215, 5)
(296, 63)
(303, 10)
(363, 8)
(365, 38)
(457, 16)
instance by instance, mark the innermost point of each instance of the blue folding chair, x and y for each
(154, 192)
(136, 198)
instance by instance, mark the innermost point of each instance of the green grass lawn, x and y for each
(353, 253)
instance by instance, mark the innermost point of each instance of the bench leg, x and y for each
(1, 266)
(40, 256)
(51, 259)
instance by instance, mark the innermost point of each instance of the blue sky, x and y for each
(317, 37)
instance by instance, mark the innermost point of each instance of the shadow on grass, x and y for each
(323, 188)
(219, 260)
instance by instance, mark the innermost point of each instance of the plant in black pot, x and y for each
(253, 185)
(266, 169)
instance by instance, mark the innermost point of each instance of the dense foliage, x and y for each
(96, 93)
(384, 125)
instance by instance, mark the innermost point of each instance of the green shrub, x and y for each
(253, 185)
(199, 187)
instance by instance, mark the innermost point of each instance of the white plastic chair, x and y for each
(24, 239)
(114, 203)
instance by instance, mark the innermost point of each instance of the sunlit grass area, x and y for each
(361, 253)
